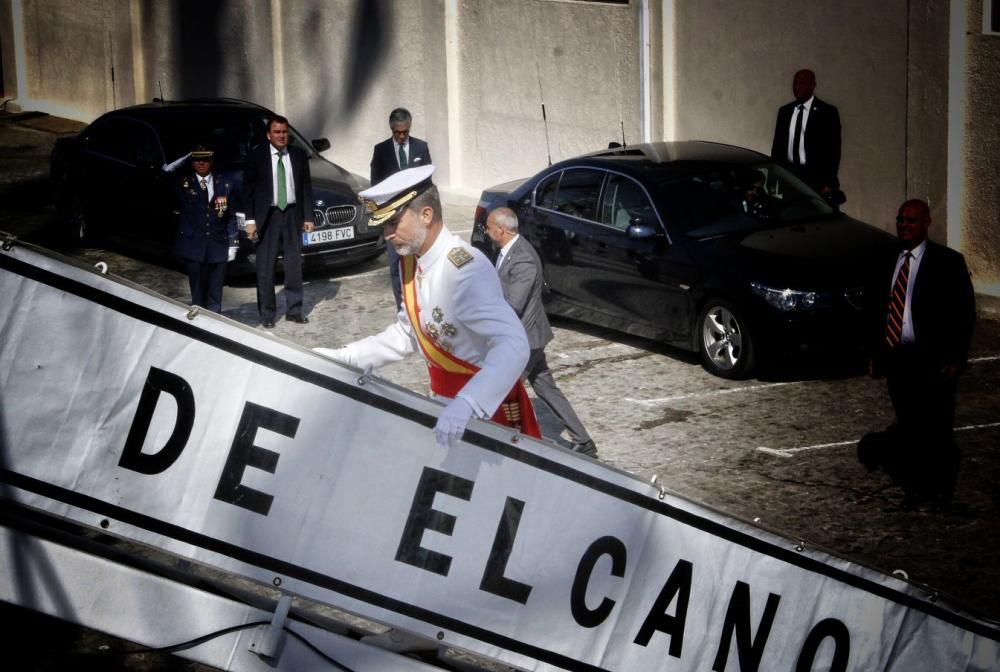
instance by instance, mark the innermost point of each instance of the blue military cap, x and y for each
(202, 152)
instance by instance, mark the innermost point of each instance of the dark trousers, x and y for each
(282, 234)
(924, 401)
(397, 283)
(206, 280)
(538, 374)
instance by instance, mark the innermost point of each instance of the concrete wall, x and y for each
(980, 228)
(7, 53)
(373, 58)
(580, 58)
(927, 111)
(192, 49)
(77, 56)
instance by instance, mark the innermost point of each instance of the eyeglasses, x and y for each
(909, 220)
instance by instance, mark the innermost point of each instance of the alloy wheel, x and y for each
(725, 344)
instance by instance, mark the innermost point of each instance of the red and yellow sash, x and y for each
(449, 373)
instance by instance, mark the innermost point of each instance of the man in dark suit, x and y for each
(520, 272)
(923, 309)
(277, 192)
(807, 138)
(206, 228)
(396, 153)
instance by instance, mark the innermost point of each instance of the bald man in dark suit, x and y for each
(922, 313)
(807, 138)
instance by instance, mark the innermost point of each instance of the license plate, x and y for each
(328, 235)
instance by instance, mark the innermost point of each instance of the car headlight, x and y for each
(786, 300)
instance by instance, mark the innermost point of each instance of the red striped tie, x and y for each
(897, 302)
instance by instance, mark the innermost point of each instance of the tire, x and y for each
(724, 341)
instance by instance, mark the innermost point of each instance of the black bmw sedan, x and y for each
(707, 247)
(111, 180)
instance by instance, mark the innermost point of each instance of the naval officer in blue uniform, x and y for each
(206, 228)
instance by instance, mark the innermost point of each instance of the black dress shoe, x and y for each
(298, 319)
(267, 324)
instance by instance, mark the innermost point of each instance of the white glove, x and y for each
(232, 253)
(452, 421)
(172, 166)
(336, 354)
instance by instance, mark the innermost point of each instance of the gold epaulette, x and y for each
(459, 256)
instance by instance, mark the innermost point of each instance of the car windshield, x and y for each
(721, 199)
(231, 136)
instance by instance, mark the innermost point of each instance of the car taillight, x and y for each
(480, 216)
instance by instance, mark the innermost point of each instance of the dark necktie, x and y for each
(282, 196)
(204, 186)
(402, 158)
(798, 134)
(897, 302)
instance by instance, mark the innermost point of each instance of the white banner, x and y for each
(222, 444)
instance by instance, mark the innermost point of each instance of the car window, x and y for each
(545, 192)
(730, 198)
(624, 201)
(146, 146)
(578, 193)
(230, 136)
(126, 140)
(109, 138)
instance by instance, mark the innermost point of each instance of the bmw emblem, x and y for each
(320, 204)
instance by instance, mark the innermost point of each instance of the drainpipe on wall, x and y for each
(956, 123)
(646, 102)
(669, 76)
(278, 51)
(20, 68)
(456, 179)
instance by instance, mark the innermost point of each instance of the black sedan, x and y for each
(111, 180)
(708, 247)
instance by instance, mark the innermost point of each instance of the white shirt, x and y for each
(209, 184)
(289, 180)
(791, 131)
(465, 307)
(917, 253)
(505, 249)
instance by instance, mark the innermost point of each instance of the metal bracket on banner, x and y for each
(268, 640)
(8, 242)
(366, 376)
(663, 491)
(193, 312)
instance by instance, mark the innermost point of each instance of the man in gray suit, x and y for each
(520, 272)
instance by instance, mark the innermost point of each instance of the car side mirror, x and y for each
(640, 230)
(321, 144)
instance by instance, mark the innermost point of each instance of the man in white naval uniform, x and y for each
(453, 313)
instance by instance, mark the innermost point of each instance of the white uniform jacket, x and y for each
(463, 309)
